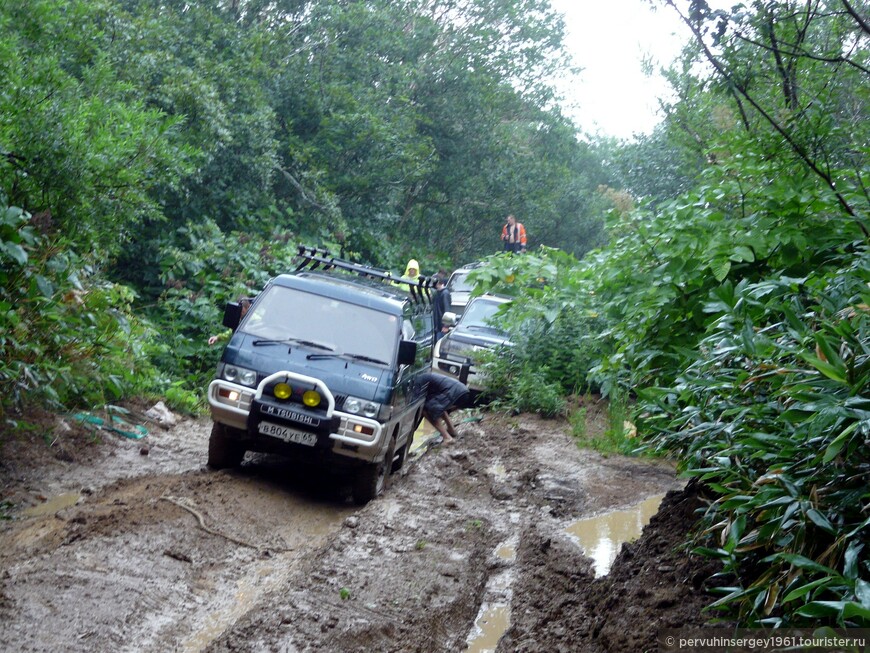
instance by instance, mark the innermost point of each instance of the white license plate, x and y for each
(288, 435)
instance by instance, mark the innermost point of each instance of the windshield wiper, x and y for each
(261, 342)
(356, 357)
(313, 345)
(483, 327)
(294, 341)
(367, 359)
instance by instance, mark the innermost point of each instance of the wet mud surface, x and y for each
(112, 544)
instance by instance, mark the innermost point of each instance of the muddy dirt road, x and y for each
(124, 545)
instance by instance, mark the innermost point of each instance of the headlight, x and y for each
(356, 406)
(242, 375)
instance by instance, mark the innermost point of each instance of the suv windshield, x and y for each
(322, 323)
(459, 283)
(479, 314)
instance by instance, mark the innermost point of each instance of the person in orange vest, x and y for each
(513, 235)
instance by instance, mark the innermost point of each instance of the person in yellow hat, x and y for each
(412, 272)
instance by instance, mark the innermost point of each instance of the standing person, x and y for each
(440, 304)
(513, 235)
(443, 394)
(412, 272)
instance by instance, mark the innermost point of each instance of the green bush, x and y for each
(68, 337)
(203, 268)
(554, 331)
(775, 418)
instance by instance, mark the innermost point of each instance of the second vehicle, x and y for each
(458, 353)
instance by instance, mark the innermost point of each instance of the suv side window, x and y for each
(423, 327)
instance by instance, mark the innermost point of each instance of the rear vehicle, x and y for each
(459, 288)
(457, 354)
(325, 368)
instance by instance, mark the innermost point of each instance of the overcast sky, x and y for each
(609, 39)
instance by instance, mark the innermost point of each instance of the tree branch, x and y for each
(802, 154)
(865, 26)
(301, 190)
(791, 50)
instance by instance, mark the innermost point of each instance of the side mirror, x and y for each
(232, 315)
(449, 319)
(407, 352)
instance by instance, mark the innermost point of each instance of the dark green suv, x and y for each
(325, 367)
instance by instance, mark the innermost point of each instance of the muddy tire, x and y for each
(223, 449)
(400, 459)
(370, 481)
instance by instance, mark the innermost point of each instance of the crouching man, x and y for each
(443, 395)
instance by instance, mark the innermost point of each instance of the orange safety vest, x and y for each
(519, 234)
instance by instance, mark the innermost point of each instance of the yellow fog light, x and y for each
(311, 398)
(282, 390)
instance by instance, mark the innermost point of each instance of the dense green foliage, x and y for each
(774, 416)
(68, 337)
(733, 304)
(556, 334)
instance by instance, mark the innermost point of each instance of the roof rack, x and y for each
(312, 258)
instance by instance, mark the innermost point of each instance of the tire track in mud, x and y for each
(434, 565)
(127, 570)
(268, 557)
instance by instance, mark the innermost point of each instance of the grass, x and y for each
(603, 426)
(6, 508)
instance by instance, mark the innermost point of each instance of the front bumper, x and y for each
(459, 368)
(351, 436)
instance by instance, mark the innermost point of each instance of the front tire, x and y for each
(370, 481)
(223, 449)
(402, 458)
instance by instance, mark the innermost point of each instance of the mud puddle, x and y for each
(489, 627)
(53, 505)
(602, 536)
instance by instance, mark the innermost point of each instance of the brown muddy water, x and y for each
(602, 536)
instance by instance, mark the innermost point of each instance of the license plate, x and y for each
(289, 414)
(287, 434)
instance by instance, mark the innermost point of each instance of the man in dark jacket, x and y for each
(440, 305)
(443, 394)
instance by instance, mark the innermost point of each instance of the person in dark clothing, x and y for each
(224, 336)
(443, 394)
(440, 305)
